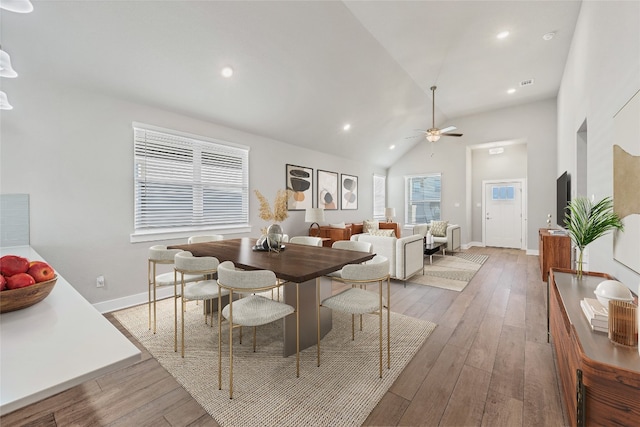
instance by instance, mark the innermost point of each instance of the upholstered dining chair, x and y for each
(159, 254)
(349, 245)
(203, 290)
(205, 238)
(250, 310)
(306, 240)
(357, 301)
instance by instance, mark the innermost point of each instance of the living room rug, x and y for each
(342, 391)
(451, 272)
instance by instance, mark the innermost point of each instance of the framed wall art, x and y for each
(349, 189)
(327, 190)
(299, 180)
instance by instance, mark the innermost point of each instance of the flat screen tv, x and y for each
(563, 197)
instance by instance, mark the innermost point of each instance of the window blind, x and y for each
(422, 198)
(379, 196)
(182, 182)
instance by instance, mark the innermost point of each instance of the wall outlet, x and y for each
(100, 282)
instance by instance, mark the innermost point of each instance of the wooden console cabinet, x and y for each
(599, 381)
(553, 251)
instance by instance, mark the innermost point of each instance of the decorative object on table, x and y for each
(328, 190)
(548, 220)
(389, 213)
(588, 221)
(24, 283)
(273, 234)
(626, 179)
(608, 290)
(349, 192)
(429, 238)
(17, 299)
(314, 216)
(596, 314)
(299, 181)
(623, 326)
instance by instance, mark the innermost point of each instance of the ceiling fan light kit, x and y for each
(433, 134)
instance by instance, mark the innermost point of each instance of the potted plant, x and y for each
(588, 221)
(273, 234)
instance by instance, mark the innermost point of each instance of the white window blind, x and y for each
(185, 183)
(422, 198)
(379, 196)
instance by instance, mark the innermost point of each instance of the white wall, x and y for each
(533, 123)
(71, 150)
(601, 75)
(512, 164)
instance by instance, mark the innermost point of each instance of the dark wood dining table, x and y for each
(295, 263)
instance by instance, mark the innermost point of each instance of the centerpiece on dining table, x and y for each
(272, 235)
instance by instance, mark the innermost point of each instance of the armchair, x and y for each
(452, 237)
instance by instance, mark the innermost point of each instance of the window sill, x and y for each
(157, 235)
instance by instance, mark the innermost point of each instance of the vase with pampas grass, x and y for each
(273, 234)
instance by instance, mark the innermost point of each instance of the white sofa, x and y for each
(452, 239)
(406, 254)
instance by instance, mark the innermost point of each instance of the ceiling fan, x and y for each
(433, 134)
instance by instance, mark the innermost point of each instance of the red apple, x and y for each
(20, 280)
(41, 271)
(3, 283)
(13, 264)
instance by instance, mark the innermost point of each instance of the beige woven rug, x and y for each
(341, 392)
(451, 272)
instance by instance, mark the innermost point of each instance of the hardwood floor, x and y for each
(487, 363)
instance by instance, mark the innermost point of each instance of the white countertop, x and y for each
(55, 344)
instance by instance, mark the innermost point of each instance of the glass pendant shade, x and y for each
(6, 70)
(18, 6)
(4, 102)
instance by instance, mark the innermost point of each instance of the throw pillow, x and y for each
(439, 228)
(382, 232)
(369, 225)
(338, 225)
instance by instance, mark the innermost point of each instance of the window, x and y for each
(503, 192)
(185, 183)
(379, 200)
(422, 198)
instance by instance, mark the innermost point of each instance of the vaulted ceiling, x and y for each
(302, 69)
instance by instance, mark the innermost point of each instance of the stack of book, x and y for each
(596, 314)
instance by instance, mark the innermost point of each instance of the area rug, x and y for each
(451, 272)
(342, 391)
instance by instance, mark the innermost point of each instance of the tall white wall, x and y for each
(602, 73)
(71, 150)
(533, 123)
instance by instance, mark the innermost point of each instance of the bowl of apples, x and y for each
(24, 283)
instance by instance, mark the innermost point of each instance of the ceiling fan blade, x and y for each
(448, 129)
(451, 134)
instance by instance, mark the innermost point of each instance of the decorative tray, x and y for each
(262, 249)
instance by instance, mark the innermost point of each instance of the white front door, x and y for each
(503, 220)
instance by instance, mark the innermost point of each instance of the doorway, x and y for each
(503, 223)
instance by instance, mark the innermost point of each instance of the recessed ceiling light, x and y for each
(391, 147)
(502, 34)
(347, 126)
(227, 72)
(510, 91)
(496, 150)
(549, 36)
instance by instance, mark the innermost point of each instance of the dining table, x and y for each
(296, 265)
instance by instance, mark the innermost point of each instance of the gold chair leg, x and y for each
(254, 339)
(297, 329)
(380, 327)
(219, 341)
(318, 307)
(231, 348)
(388, 323)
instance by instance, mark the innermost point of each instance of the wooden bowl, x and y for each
(17, 299)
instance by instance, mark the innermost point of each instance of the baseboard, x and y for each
(131, 300)
(472, 244)
(533, 252)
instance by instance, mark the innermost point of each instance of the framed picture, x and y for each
(327, 191)
(349, 189)
(300, 181)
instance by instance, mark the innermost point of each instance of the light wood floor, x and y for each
(487, 363)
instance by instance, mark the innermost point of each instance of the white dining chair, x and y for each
(160, 255)
(250, 310)
(358, 301)
(306, 240)
(204, 290)
(205, 238)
